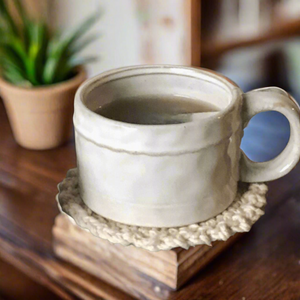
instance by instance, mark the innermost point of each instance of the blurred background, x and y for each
(255, 43)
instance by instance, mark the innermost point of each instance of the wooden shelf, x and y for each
(214, 49)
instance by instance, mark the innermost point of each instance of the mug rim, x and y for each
(95, 81)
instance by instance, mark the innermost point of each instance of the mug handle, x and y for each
(271, 99)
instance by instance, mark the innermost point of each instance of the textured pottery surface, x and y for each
(172, 175)
(41, 117)
(244, 211)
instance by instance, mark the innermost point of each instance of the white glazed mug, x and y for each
(175, 174)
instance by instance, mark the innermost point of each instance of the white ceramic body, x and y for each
(170, 175)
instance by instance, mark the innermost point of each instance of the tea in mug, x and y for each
(154, 111)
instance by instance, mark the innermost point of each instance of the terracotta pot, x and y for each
(41, 117)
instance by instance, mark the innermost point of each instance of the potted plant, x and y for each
(40, 73)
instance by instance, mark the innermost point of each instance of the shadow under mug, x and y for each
(174, 174)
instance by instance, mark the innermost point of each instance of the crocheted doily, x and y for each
(246, 209)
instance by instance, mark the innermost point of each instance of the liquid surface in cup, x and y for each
(154, 111)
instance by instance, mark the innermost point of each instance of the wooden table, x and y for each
(263, 264)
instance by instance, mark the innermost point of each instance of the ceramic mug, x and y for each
(174, 174)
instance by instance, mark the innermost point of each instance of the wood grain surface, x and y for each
(138, 272)
(14, 285)
(263, 264)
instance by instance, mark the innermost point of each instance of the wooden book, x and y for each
(140, 273)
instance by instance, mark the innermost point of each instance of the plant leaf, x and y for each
(70, 66)
(17, 45)
(36, 34)
(21, 10)
(77, 61)
(52, 61)
(9, 20)
(33, 55)
(60, 49)
(80, 45)
(82, 29)
(8, 63)
(25, 22)
(14, 75)
(7, 54)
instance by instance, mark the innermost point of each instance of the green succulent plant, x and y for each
(32, 55)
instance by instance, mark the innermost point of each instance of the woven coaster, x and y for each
(245, 210)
